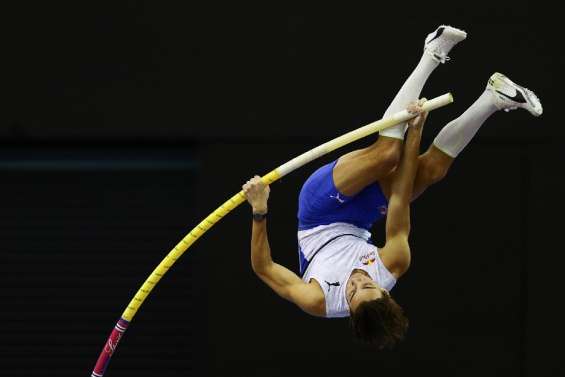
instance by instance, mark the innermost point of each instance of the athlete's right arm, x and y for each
(396, 252)
(280, 279)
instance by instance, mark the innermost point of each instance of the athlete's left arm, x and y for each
(396, 252)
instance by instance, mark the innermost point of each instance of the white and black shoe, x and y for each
(440, 42)
(510, 96)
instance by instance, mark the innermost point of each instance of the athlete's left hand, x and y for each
(416, 108)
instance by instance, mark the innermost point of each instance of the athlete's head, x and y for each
(375, 317)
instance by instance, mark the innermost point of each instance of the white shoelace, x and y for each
(438, 55)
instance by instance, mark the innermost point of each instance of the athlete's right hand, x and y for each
(257, 194)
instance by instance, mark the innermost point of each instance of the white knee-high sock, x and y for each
(458, 133)
(409, 92)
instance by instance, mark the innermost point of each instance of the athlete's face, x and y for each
(361, 288)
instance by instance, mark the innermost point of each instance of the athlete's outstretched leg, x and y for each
(358, 169)
(500, 94)
(436, 47)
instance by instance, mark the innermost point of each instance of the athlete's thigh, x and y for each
(432, 167)
(356, 170)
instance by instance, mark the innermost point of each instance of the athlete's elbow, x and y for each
(259, 266)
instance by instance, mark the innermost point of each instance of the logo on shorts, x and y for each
(383, 209)
(338, 198)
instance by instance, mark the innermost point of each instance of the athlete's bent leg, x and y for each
(432, 168)
(358, 169)
(500, 94)
(436, 47)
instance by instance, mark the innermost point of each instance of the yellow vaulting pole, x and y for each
(232, 203)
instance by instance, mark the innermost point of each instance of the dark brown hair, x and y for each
(380, 323)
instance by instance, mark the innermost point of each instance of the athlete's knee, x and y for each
(431, 171)
(391, 158)
(388, 154)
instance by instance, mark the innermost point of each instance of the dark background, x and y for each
(126, 123)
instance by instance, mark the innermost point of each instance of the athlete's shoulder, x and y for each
(396, 256)
(310, 298)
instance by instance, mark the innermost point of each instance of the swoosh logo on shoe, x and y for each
(439, 32)
(518, 97)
